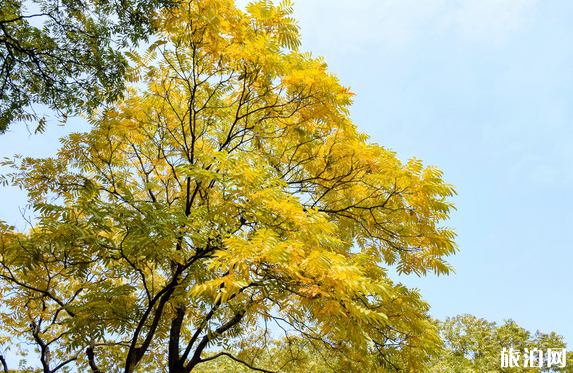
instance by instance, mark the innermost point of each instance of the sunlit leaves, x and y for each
(475, 345)
(232, 198)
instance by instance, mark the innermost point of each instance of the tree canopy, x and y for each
(471, 345)
(475, 345)
(229, 210)
(67, 55)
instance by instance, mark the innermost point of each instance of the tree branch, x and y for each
(237, 360)
(91, 358)
(4, 365)
(173, 356)
(196, 359)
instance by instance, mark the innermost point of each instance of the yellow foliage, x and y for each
(233, 193)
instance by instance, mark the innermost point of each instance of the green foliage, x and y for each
(67, 54)
(475, 345)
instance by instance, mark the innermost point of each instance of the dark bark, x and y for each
(196, 359)
(91, 359)
(4, 365)
(44, 349)
(175, 363)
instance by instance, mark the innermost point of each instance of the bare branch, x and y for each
(238, 361)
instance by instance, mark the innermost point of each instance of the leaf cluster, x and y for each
(228, 209)
(475, 345)
(67, 55)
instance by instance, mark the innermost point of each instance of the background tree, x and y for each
(230, 207)
(68, 55)
(471, 345)
(475, 345)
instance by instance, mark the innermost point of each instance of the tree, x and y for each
(67, 54)
(230, 207)
(471, 345)
(475, 345)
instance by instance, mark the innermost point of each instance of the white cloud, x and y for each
(396, 24)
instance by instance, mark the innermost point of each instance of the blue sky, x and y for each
(484, 91)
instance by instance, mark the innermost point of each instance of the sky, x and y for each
(483, 90)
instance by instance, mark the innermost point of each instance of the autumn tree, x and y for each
(67, 55)
(229, 210)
